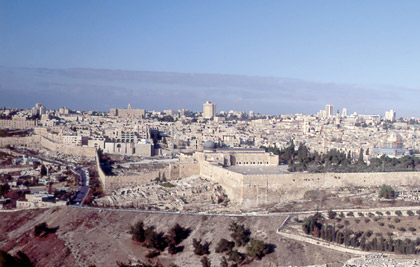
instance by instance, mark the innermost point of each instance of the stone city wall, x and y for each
(89, 152)
(257, 190)
(231, 182)
(28, 140)
(172, 172)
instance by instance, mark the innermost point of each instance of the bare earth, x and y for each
(90, 237)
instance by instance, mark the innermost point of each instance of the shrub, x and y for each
(367, 220)
(205, 262)
(167, 184)
(224, 246)
(370, 214)
(397, 220)
(178, 233)
(342, 215)
(338, 219)
(418, 212)
(137, 232)
(257, 249)
(410, 213)
(42, 229)
(361, 214)
(388, 212)
(391, 226)
(381, 223)
(239, 233)
(152, 254)
(357, 220)
(376, 219)
(387, 192)
(332, 214)
(412, 229)
(402, 229)
(350, 213)
(236, 256)
(398, 213)
(379, 213)
(346, 222)
(369, 233)
(201, 249)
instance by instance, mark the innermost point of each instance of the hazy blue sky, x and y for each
(367, 44)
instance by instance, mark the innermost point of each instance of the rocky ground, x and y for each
(188, 194)
(101, 238)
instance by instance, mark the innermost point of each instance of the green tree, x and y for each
(239, 233)
(257, 249)
(137, 232)
(387, 192)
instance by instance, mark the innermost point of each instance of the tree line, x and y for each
(317, 227)
(302, 159)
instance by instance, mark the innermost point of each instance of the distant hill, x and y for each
(99, 89)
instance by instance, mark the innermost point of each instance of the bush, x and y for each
(239, 233)
(379, 213)
(332, 214)
(398, 213)
(152, 254)
(367, 220)
(350, 214)
(236, 256)
(257, 249)
(178, 233)
(346, 222)
(388, 212)
(412, 229)
(357, 220)
(370, 214)
(342, 215)
(418, 212)
(410, 213)
(387, 192)
(369, 233)
(361, 214)
(155, 240)
(137, 232)
(224, 246)
(42, 230)
(397, 220)
(402, 229)
(205, 262)
(381, 223)
(376, 219)
(201, 249)
(391, 226)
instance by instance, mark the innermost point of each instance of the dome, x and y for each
(208, 145)
(393, 140)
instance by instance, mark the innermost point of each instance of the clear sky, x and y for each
(351, 42)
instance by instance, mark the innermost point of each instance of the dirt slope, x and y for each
(87, 237)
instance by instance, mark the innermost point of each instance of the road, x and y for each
(83, 190)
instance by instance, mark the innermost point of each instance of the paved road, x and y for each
(83, 190)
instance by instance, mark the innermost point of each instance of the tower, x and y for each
(209, 110)
(329, 110)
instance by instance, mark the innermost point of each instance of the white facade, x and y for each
(209, 110)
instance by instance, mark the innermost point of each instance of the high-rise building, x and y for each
(390, 115)
(329, 110)
(209, 110)
(344, 113)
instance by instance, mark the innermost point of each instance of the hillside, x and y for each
(101, 238)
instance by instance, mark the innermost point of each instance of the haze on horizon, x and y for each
(273, 57)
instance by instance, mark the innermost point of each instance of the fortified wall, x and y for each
(172, 172)
(36, 141)
(262, 189)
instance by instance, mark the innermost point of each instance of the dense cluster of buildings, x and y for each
(136, 132)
